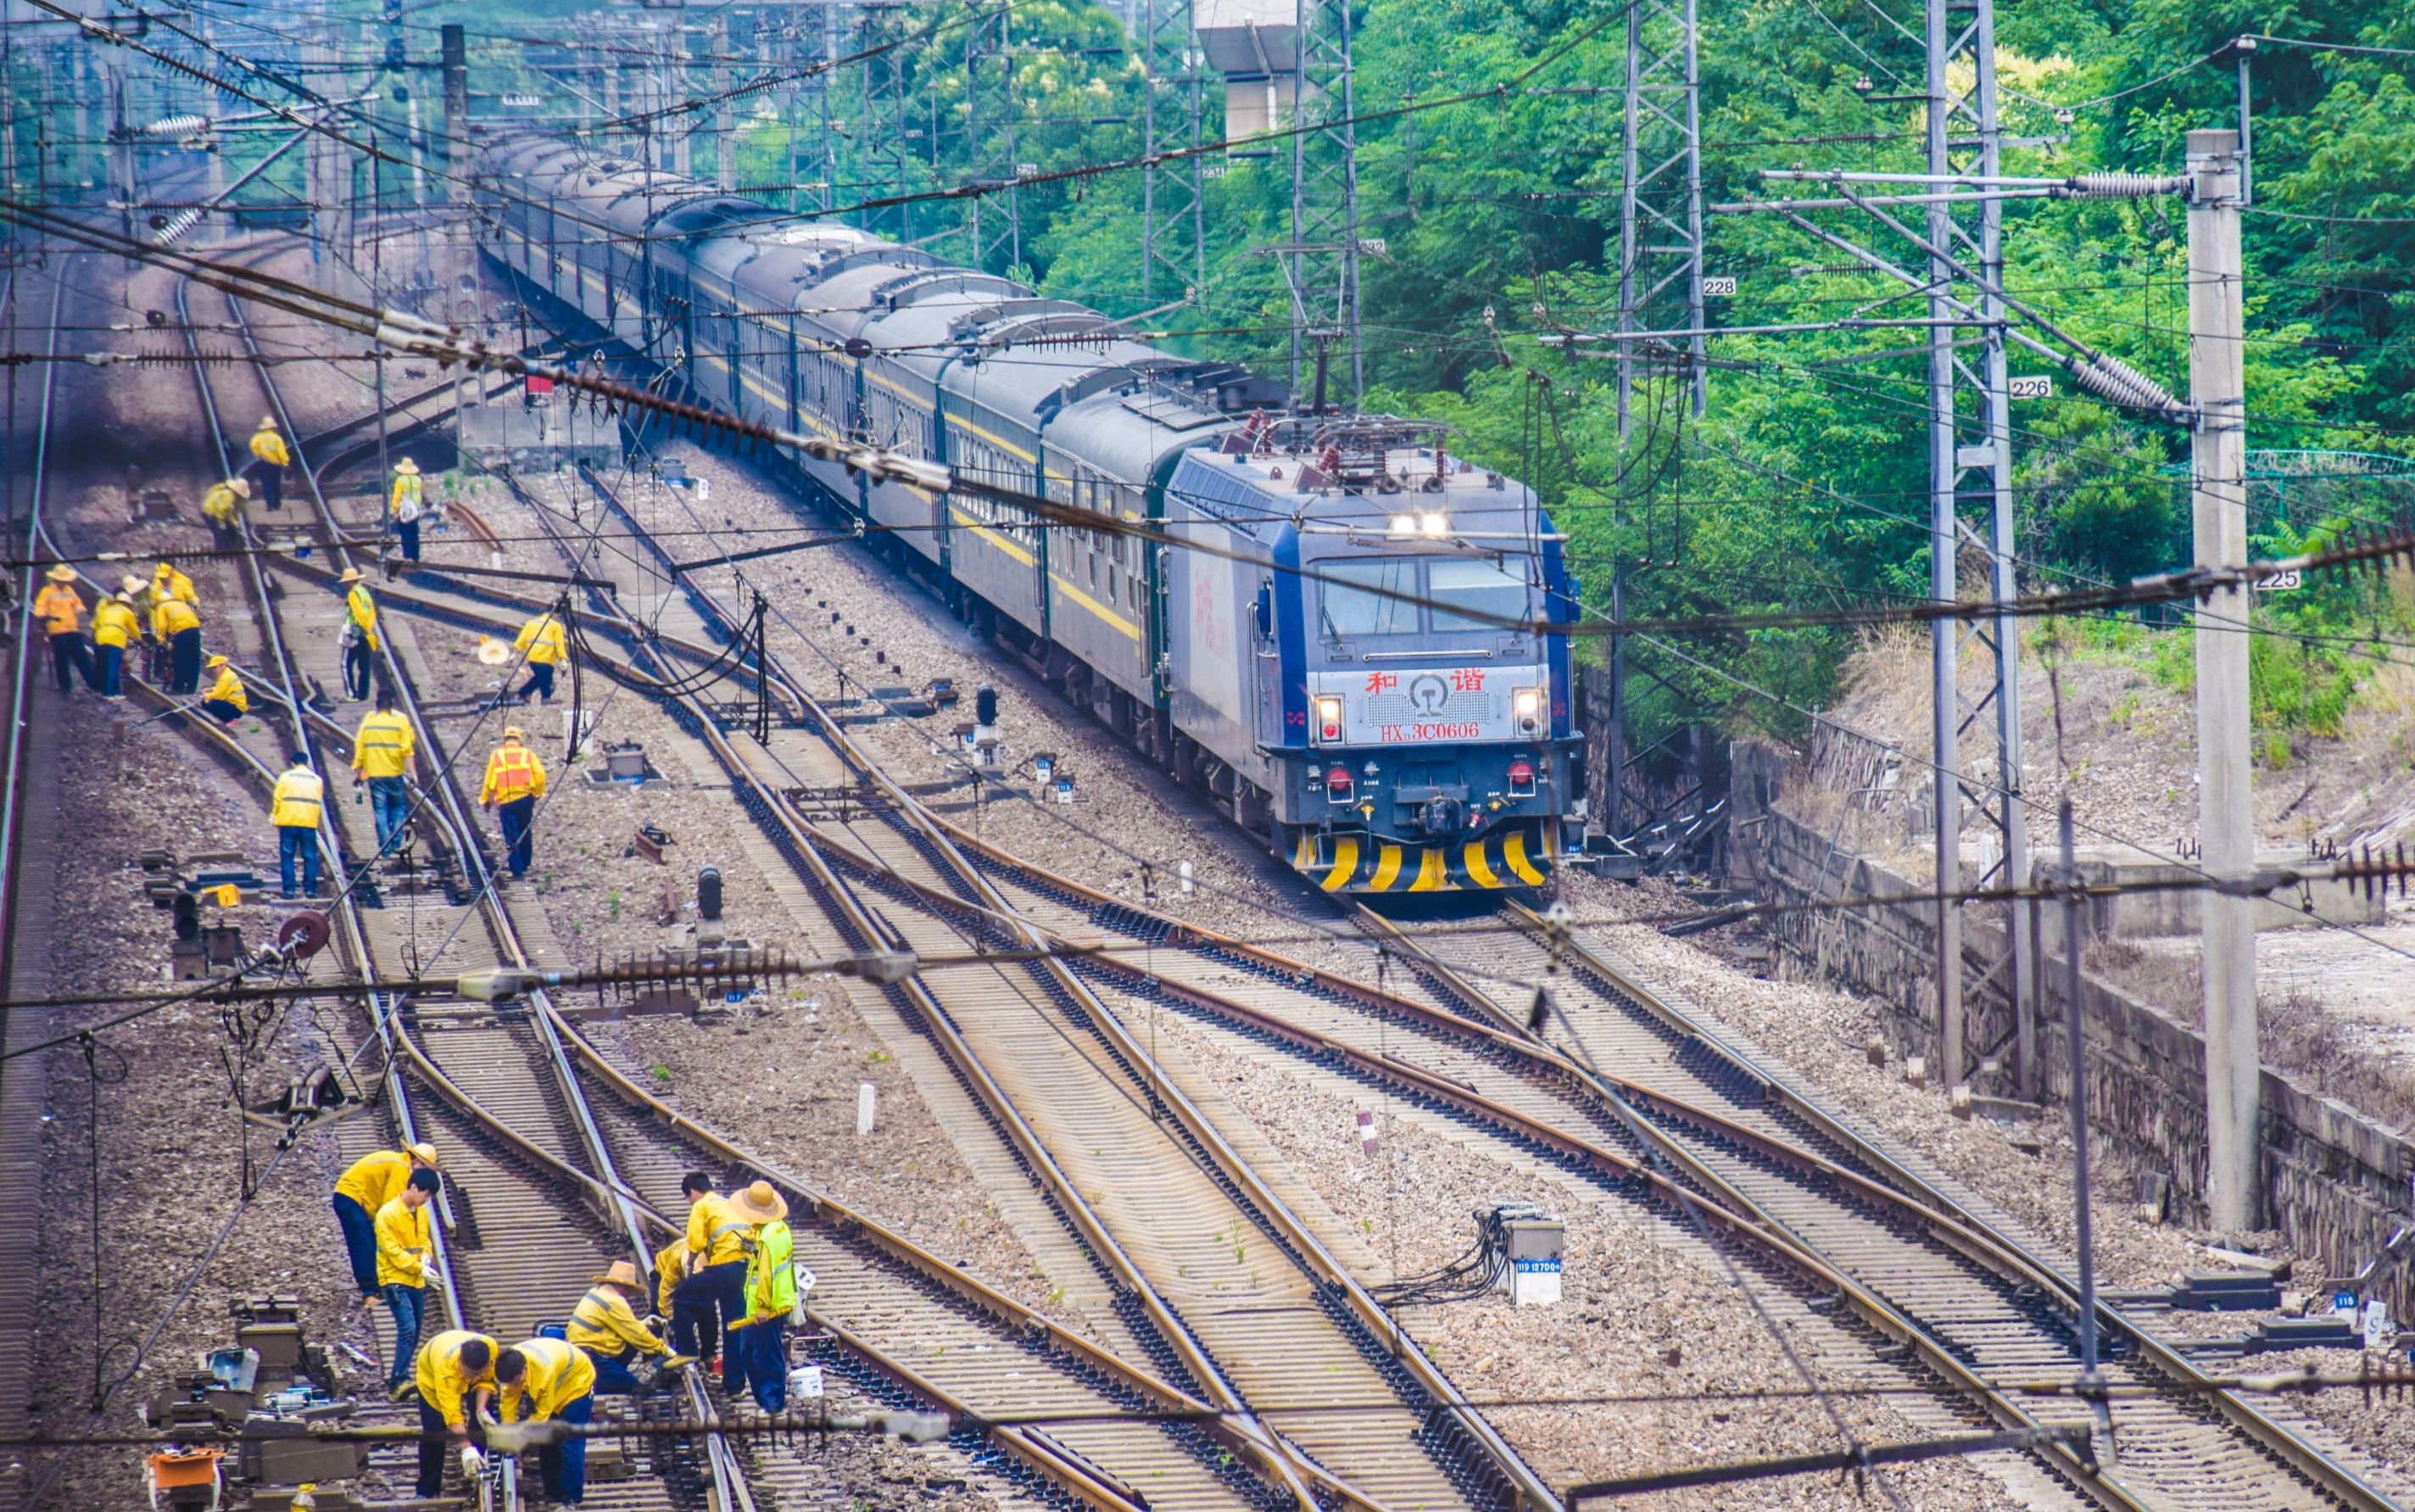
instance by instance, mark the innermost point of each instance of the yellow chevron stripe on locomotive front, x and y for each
(1518, 857)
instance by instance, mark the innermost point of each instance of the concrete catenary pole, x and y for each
(2225, 795)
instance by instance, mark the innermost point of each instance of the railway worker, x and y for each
(670, 1268)
(359, 637)
(547, 649)
(455, 1372)
(515, 781)
(220, 505)
(294, 808)
(269, 461)
(405, 1252)
(366, 1186)
(167, 583)
(714, 1295)
(382, 751)
(228, 700)
(62, 615)
(759, 1340)
(547, 1380)
(406, 502)
(606, 1326)
(177, 626)
(115, 627)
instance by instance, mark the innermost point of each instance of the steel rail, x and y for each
(1258, 1444)
(1281, 1222)
(2339, 1480)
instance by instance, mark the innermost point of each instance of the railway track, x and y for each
(1982, 1307)
(544, 1145)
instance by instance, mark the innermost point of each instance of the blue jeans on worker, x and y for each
(765, 1351)
(406, 1301)
(540, 682)
(108, 669)
(69, 657)
(221, 711)
(407, 530)
(704, 1305)
(360, 1238)
(184, 659)
(613, 1377)
(357, 671)
(563, 1466)
(300, 840)
(390, 800)
(514, 817)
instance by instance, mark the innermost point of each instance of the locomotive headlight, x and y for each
(1435, 524)
(1404, 525)
(1329, 719)
(1528, 706)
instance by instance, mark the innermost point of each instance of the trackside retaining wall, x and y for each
(2335, 1182)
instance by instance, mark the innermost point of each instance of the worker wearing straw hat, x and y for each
(359, 635)
(407, 502)
(608, 1328)
(756, 1353)
(368, 1185)
(269, 461)
(62, 615)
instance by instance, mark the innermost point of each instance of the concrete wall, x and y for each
(2335, 1183)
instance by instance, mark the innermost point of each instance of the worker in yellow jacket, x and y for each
(406, 505)
(547, 649)
(61, 612)
(713, 1296)
(547, 1378)
(178, 627)
(456, 1376)
(515, 781)
(382, 751)
(607, 1326)
(670, 1268)
(406, 1257)
(228, 699)
(269, 461)
(224, 501)
(168, 582)
(359, 635)
(294, 808)
(115, 627)
(368, 1185)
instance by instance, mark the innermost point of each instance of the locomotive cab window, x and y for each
(1362, 597)
(1478, 586)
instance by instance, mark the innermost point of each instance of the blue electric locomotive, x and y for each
(1347, 671)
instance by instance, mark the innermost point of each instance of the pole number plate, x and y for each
(2036, 386)
(2280, 583)
(1723, 287)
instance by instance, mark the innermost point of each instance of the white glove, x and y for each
(473, 1464)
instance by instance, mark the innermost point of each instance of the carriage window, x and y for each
(1355, 597)
(1477, 586)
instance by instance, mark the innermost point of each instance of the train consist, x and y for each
(1331, 631)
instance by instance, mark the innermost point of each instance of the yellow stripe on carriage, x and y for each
(1480, 870)
(1513, 850)
(1345, 862)
(1387, 868)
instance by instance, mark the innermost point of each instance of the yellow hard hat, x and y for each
(229, 894)
(163, 569)
(513, 732)
(215, 661)
(61, 574)
(352, 575)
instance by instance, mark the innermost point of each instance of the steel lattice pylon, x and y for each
(1173, 203)
(1321, 263)
(993, 222)
(1971, 502)
(880, 162)
(1660, 203)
